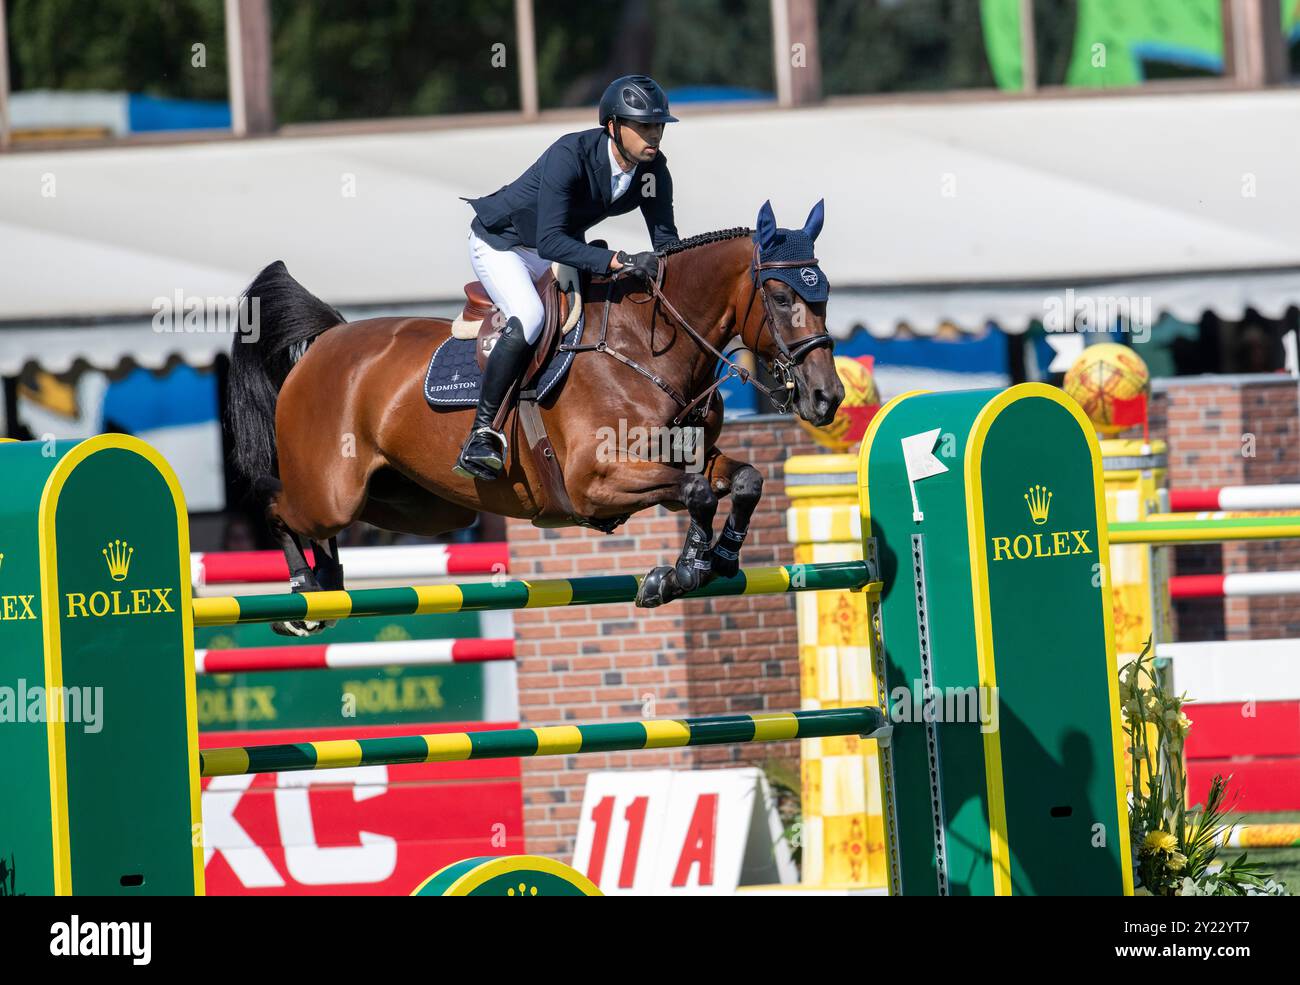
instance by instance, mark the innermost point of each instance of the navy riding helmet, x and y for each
(635, 97)
(793, 244)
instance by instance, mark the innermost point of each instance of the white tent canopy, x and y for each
(956, 212)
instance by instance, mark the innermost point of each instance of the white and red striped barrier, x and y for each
(1277, 497)
(1226, 671)
(401, 563)
(333, 656)
(1242, 583)
(1245, 719)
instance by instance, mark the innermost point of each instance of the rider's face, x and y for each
(641, 139)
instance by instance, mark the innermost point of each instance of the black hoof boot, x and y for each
(301, 580)
(724, 556)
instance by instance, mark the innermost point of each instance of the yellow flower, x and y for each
(1177, 861)
(1160, 841)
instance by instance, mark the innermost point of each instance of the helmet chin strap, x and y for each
(618, 142)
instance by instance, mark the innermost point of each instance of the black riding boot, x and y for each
(484, 453)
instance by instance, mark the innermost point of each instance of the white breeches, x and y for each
(508, 276)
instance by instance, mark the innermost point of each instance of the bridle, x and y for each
(790, 354)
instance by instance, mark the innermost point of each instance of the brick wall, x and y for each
(730, 656)
(613, 662)
(1226, 431)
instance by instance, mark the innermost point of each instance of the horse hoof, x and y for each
(301, 627)
(655, 588)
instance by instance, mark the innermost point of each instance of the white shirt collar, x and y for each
(619, 180)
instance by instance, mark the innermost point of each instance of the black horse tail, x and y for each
(278, 320)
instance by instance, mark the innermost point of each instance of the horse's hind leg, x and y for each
(301, 577)
(312, 504)
(328, 569)
(326, 574)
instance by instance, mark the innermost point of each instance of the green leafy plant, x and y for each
(1175, 850)
(787, 788)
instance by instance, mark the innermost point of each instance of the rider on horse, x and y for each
(542, 217)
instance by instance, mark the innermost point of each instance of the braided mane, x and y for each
(703, 239)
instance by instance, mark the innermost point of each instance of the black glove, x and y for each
(644, 265)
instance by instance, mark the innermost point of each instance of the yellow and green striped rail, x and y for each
(1265, 836)
(555, 740)
(480, 596)
(1206, 528)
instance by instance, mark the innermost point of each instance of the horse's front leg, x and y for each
(668, 582)
(745, 483)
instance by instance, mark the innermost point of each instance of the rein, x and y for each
(791, 354)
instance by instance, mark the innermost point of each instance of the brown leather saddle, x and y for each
(562, 304)
(479, 308)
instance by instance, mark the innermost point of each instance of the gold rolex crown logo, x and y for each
(1039, 499)
(118, 556)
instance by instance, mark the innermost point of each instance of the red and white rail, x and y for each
(1277, 497)
(334, 656)
(401, 563)
(1222, 671)
(1242, 583)
(1245, 719)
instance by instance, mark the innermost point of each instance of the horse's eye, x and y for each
(782, 300)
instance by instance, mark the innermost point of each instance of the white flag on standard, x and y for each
(918, 454)
(1065, 350)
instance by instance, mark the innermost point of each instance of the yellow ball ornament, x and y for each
(1110, 382)
(861, 401)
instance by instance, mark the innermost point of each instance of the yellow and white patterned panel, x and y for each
(843, 835)
(1135, 478)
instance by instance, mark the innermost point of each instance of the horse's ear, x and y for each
(815, 219)
(766, 225)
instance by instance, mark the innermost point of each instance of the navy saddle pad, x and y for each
(453, 379)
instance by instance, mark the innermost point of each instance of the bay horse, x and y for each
(330, 424)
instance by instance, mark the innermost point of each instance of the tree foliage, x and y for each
(339, 59)
(118, 45)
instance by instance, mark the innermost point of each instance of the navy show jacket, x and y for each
(551, 206)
